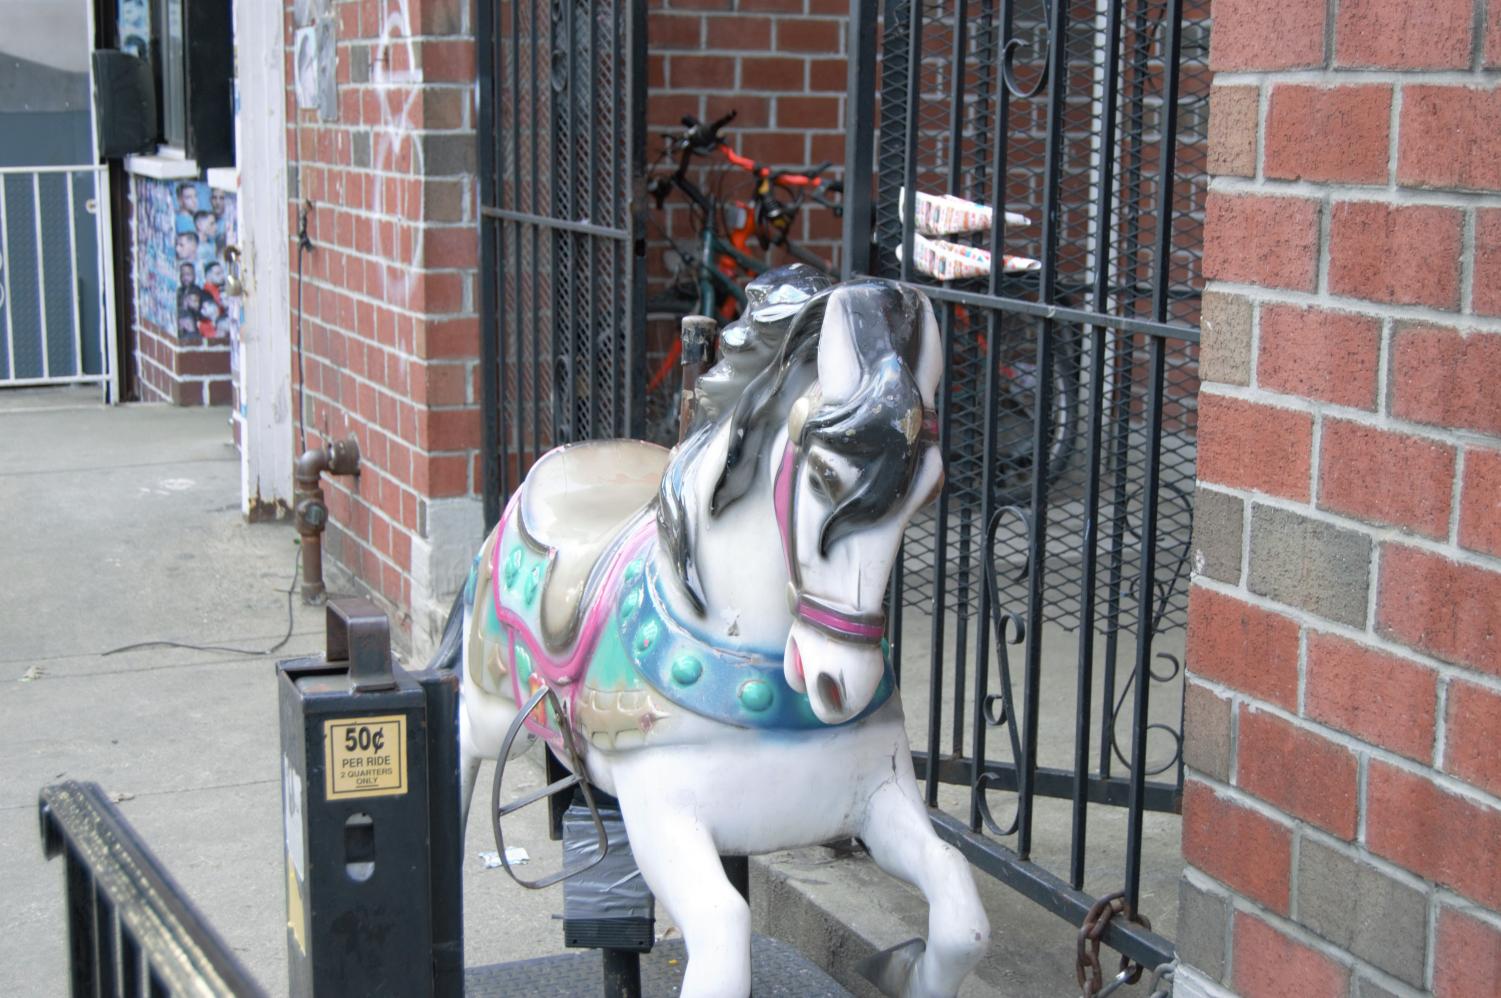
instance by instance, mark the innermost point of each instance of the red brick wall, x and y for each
(182, 372)
(389, 300)
(1342, 816)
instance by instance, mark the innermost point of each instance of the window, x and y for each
(190, 45)
(172, 88)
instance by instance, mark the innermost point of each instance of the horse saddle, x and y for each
(575, 502)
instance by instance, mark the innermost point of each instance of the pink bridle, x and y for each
(857, 628)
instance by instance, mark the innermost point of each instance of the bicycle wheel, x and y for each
(1017, 415)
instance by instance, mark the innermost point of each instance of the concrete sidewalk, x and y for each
(119, 526)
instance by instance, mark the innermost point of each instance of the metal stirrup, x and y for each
(576, 778)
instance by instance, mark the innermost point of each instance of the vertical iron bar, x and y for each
(940, 559)
(498, 482)
(1123, 380)
(956, 153)
(984, 83)
(999, 156)
(10, 315)
(562, 330)
(1146, 588)
(594, 320)
(620, 195)
(130, 966)
(537, 250)
(1144, 606)
(73, 277)
(1167, 158)
(489, 269)
(635, 347)
(909, 163)
(860, 103)
(80, 890)
(1037, 542)
(104, 944)
(1089, 541)
(41, 270)
(909, 173)
(512, 408)
(894, 614)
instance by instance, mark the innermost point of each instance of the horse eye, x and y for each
(823, 479)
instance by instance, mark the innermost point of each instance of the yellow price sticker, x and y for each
(366, 757)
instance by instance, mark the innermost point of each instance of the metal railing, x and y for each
(1051, 579)
(562, 250)
(131, 930)
(56, 277)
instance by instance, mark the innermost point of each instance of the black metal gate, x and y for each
(563, 286)
(1053, 574)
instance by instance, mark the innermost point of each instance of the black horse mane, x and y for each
(875, 428)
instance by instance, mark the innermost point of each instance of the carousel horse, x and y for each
(710, 620)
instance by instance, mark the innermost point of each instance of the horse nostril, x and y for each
(828, 689)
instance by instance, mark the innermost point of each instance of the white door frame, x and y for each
(265, 334)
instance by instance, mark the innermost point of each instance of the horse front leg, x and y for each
(902, 842)
(676, 854)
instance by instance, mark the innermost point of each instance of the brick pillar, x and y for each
(1342, 815)
(390, 332)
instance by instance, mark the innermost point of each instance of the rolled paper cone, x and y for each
(949, 214)
(954, 261)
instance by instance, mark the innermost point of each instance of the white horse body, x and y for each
(692, 788)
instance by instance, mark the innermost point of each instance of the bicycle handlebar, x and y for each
(702, 139)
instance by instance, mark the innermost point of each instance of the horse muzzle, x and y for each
(839, 677)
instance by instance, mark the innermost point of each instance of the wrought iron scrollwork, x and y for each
(1010, 46)
(1010, 629)
(1120, 702)
(1165, 589)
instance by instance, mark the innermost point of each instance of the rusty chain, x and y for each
(1087, 970)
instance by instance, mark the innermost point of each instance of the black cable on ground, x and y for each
(291, 588)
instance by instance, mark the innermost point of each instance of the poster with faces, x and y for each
(182, 228)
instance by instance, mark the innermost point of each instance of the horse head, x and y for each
(859, 459)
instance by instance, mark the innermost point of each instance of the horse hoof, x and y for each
(891, 969)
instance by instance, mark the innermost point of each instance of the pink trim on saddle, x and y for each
(563, 674)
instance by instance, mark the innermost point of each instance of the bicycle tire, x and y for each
(1012, 467)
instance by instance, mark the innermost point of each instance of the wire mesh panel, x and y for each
(562, 146)
(1052, 574)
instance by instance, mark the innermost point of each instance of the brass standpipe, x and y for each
(310, 512)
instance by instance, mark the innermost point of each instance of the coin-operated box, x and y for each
(370, 806)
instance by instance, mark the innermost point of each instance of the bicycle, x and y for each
(712, 281)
